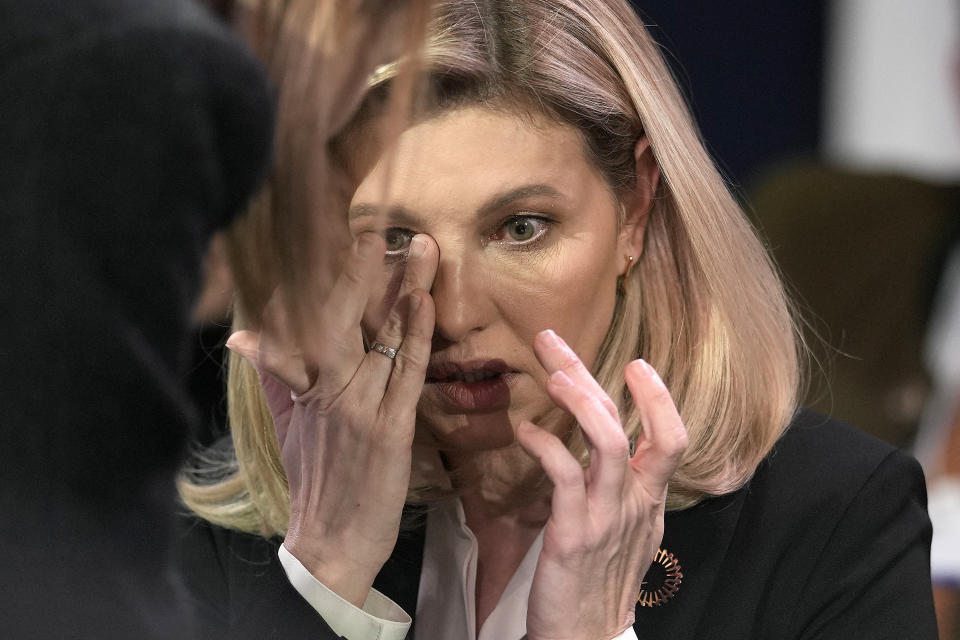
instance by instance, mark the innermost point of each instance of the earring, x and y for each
(622, 278)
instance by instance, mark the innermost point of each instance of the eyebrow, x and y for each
(501, 200)
(402, 215)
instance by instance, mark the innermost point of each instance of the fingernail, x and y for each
(526, 425)
(561, 379)
(556, 342)
(650, 371)
(551, 338)
(417, 246)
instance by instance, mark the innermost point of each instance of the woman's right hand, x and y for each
(345, 418)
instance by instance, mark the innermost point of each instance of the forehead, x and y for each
(474, 150)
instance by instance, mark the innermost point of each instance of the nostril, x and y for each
(439, 341)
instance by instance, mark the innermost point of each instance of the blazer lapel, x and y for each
(698, 538)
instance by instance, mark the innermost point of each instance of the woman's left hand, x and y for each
(606, 520)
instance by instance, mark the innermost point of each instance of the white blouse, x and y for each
(446, 600)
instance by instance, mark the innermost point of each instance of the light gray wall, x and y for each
(891, 95)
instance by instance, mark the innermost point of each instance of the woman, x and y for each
(547, 218)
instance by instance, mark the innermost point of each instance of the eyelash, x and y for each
(543, 222)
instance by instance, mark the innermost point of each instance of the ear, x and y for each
(638, 202)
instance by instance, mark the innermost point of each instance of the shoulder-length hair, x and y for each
(704, 305)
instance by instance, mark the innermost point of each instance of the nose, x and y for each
(462, 301)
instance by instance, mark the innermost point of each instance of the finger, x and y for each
(608, 457)
(336, 346)
(246, 344)
(573, 387)
(569, 500)
(278, 352)
(410, 366)
(554, 355)
(664, 437)
(422, 261)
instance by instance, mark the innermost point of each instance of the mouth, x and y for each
(466, 372)
(478, 385)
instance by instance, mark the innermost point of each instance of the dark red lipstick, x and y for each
(475, 385)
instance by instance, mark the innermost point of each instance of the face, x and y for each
(530, 238)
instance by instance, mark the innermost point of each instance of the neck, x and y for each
(505, 479)
(503, 540)
(506, 502)
(499, 482)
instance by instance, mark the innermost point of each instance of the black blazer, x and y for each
(830, 539)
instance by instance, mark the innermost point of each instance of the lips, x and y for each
(477, 385)
(468, 371)
(471, 376)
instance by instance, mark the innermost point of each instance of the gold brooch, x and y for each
(664, 571)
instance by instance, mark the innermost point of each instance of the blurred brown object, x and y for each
(950, 462)
(947, 603)
(946, 597)
(861, 254)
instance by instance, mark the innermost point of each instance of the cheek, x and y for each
(573, 293)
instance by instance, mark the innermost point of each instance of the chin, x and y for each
(468, 432)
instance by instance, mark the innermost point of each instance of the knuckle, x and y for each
(616, 444)
(421, 328)
(581, 406)
(610, 407)
(570, 363)
(270, 360)
(352, 274)
(416, 333)
(595, 403)
(409, 360)
(411, 277)
(660, 395)
(568, 475)
(679, 441)
(578, 547)
(392, 330)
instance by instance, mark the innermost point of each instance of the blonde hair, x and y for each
(704, 305)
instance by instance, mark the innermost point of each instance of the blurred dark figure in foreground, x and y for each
(129, 131)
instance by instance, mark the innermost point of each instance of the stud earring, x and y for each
(626, 272)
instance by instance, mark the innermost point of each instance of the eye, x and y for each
(397, 240)
(520, 230)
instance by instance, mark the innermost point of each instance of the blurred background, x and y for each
(837, 124)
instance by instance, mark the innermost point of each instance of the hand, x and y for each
(606, 521)
(345, 418)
